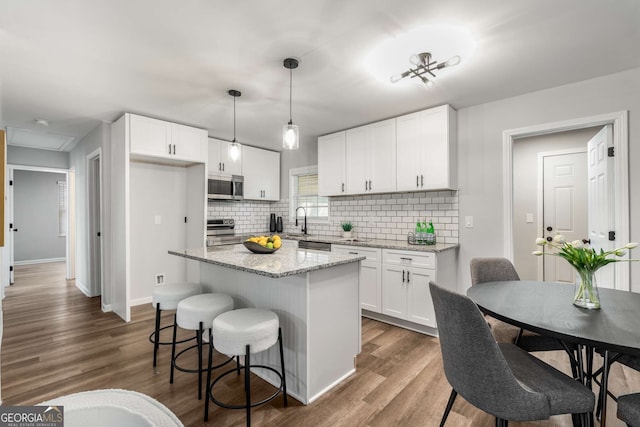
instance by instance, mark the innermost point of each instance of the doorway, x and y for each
(94, 201)
(37, 217)
(620, 185)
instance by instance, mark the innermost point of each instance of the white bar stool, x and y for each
(192, 314)
(167, 297)
(239, 332)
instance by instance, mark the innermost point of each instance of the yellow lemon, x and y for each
(277, 243)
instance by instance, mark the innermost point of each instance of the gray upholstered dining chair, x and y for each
(629, 409)
(632, 362)
(497, 269)
(500, 378)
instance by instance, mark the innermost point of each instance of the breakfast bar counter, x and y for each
(316, 297)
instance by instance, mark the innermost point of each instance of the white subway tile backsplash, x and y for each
(374, 216)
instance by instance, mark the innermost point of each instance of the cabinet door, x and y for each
(419, 305)
(357, 180)
(381, 156)
(370, 286)
(261, 170)
(149, 137)
(394, 291)
(189, 143)
(409, 152)
(439, 148)
(230, 166)
(331, 164)
(271, 175)
(214, 164)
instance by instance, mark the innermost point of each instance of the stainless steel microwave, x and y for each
(225, 187)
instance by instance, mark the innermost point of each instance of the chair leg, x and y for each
(156, 344)
(206, 403)
(520, 332)
(173, 347)
(501, 423)
(284, 381)
(247, 384)
(199, 341)
(452, 398)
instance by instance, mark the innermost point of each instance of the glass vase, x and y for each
(586, 291)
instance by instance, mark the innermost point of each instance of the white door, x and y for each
(564, 207)
(420, 306)
(394, 291)
(95, 224)
(601, 206)
(10, 225)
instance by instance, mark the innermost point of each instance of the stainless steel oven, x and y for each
(220, 231)
(225, 187)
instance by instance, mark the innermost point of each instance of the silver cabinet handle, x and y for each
(169, 148)
(407, 276)
(417, 183)
(406, 259)
(220, 166)
(353, 253)
(343, 187)
(369, 185)
(421, 180)
(223, 167)
(174, 148)
(402, 276)
(365, 185)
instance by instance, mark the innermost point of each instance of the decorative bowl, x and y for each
(258, 249)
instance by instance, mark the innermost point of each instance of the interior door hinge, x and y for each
(612, 235)
(610, 151)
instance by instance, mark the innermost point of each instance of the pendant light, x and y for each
(234, 148)
(290, 133)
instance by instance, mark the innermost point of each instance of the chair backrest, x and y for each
(473, 363)
(492, 270)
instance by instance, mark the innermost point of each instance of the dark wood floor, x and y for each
(57, 341)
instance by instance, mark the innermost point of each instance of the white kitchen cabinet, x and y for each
(219, 162)
(370, 275)
(371, 158)
(162, 140)
(405, 286)
(426, 150)
(261, 170)
(332, 164)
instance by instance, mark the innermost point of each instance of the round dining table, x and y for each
(547, 308)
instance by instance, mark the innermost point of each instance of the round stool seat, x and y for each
(168, 296)
(203, 309)
(234, 330)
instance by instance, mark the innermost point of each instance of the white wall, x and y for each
(480, 131)
(98, 138)
(33, 157)
(36, 216)
(525, 188)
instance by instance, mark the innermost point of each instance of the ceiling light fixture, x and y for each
(290, 132)
(42, 122)
(234, 147)
(425, 65)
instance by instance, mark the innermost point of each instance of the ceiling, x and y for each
(76, 63)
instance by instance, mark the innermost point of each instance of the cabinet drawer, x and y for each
(372, 254)
(409, 258)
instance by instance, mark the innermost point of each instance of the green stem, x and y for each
(586, 290)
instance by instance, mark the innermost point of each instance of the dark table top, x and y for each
(547, 308)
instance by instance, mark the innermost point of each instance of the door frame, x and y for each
(540, 196)
(92, 216)
(10, 216)
(619, 120)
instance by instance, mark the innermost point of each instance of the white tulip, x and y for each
(559, 238)
(540, 241)
(631, 245)
(537, 253)
(577, 244)
(620, 252)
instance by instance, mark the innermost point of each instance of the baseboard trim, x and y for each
(140, 301)
(106, 308)
(39, 261)
(83, 288)
(401, 323)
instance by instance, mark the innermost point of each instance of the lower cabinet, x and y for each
(370, 276)
(405, 286)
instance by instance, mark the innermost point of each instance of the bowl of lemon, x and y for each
(263, 244)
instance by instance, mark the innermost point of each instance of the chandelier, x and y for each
(424, 68)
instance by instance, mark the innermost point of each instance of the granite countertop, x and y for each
(289, 260)
(372, 243)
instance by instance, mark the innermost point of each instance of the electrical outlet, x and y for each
(160, 279)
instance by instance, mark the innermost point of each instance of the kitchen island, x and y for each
(316, 297)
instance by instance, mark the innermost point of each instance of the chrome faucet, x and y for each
(304, 227)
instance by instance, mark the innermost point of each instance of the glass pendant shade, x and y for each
(290, 137)
(233, 151)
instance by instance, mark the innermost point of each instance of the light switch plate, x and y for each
(158, 220)
(529, 218)
(468, 222)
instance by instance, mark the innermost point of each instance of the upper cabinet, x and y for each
(371, 158)
(261, 170)
(332, 165)
(158, 139)
(219, 162)
(426, 147)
